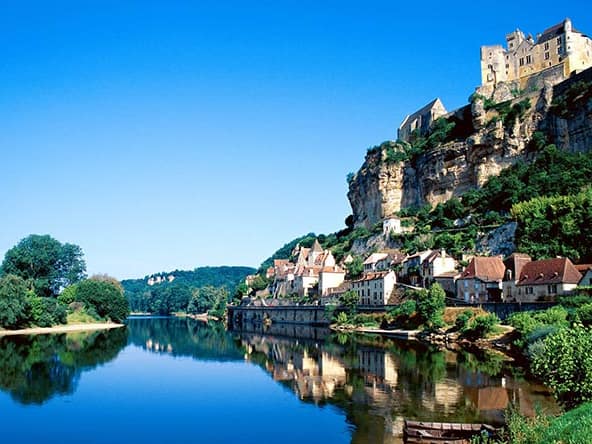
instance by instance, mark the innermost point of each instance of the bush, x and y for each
(341, 318)
(68, 295)
(481, 326)
(584, 314)
(565, 365)
(462, 320)
(47, 311)
(430, 306)
(14, 308)
(365, 320)
(103, 297)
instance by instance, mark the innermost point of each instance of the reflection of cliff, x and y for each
(184, 337)
(34, 369)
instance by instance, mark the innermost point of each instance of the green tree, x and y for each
(350, 300)
(355, 268)
(47, 312)
(430, 305)
(13, 302)
(45, 263)
(565, 364)
(104, 297)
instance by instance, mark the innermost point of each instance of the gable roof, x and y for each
(375, 257)
(549, 271)
(422, 111)
(372, 276)
(316, 247)
(487, 269)
(583, 268)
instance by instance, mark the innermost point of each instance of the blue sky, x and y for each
(163, 135)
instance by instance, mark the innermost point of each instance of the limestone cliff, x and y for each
(489, 135)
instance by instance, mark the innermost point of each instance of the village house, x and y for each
(437, 263)
(391, 225)
(412, 267)
(545, 279)
(384, 260)
(420, 122)
(314, 273)
(481, 281)
(448, 282)
(559, 51)
(375, 288)
(514, 264)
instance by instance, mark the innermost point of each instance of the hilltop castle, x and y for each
(557, 53)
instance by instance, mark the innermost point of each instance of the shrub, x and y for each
(462, 320)
(584, 314)
(565, 365)
(105, 298)
(430, 305)
(47, 311)
(365, 320)
(13, 302)
(341, 318)
(68, 295)
(481, 326)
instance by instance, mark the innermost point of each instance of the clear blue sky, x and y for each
(163, 135)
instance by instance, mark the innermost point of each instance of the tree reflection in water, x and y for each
(34, 369)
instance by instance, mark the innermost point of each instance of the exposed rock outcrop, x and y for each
(487, 139)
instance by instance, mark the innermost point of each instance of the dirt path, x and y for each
(60, 329)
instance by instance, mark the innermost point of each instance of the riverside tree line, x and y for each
(44, 283)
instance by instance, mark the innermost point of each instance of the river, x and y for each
(171, 380)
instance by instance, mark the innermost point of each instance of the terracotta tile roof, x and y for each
(280, 262)
(334, 269)
(583, 268)
(375, 257)
(487, 269)
(549, 271)
(514, 263)
(372, 276)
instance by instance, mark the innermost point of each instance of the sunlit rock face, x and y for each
(485, 143)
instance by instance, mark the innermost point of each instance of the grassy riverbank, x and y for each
(69, 328)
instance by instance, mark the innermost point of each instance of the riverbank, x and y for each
(61, 329)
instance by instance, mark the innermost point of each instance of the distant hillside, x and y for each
(167, 292)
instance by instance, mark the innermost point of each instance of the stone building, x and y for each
(559, 51)
(375, 288)
(482, 280)
(420, 121)
(545, 279)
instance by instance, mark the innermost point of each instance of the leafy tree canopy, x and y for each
(46, 264)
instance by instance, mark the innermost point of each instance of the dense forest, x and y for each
(205, 289)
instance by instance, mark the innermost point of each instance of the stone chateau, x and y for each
(558, 52)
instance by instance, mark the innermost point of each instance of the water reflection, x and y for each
(375, 382)
(378, 382)
(184, 337)
(33, 369)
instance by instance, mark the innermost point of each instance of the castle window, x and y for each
(521, 61)
(528, 59)
(546, 46)
(559, 40)
(547, 55)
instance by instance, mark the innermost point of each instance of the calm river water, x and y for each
(168, 380)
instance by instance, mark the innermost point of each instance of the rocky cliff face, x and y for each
(486, 142)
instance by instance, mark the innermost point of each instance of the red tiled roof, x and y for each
(372, 276)
(583, 268)
(549, 271)
(487, 269)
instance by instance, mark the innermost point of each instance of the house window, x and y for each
(477, 285)
(529, 290)
(552, 289)
(466, 283)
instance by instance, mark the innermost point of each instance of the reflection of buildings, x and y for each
(378, 368)
(155, 346)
